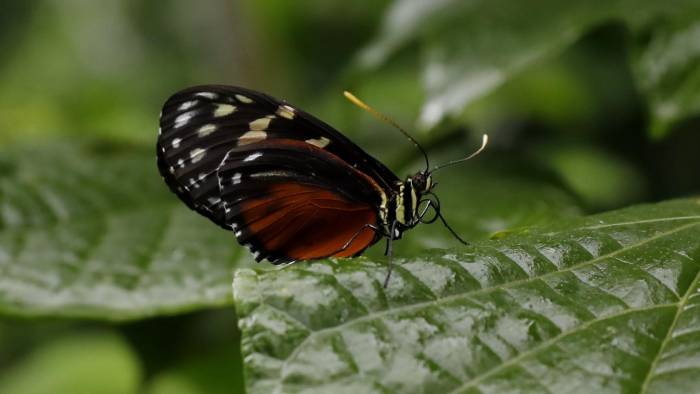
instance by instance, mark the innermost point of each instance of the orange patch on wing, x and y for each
(305, 222)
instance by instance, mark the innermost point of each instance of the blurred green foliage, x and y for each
(80, 363)
(590, 106)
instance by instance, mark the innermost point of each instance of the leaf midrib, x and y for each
(644, 221)
(543, 345)
(387, 312)
(669, 334)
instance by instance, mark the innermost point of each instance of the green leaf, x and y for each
(473, 47)
(88, 363)
(93, 232)
(608, 303)
(668, 71)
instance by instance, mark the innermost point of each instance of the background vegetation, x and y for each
(108, 284)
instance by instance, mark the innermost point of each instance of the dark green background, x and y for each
(575, 98)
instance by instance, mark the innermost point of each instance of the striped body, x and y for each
(402, 206)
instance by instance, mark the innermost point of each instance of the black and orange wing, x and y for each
(199, 125)
(290, 186)
(288, 200)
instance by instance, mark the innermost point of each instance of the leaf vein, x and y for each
(543, 345)
(669, 333)
(420, 305)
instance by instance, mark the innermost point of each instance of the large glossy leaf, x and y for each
(608, 303)
(472, 47)
(94, 232)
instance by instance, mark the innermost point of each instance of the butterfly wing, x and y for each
(289, 200)
(199, 125)
(290, 186)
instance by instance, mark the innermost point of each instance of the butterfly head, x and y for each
(422, 182)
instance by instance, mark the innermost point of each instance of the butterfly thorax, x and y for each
(403, 204)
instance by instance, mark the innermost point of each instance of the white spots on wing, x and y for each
(261, 124)
(182, 119)
(234, 226)
(202, 176)
(223, 110)
(176, 142)
(187, 105)
(285, 111)
(272, 174)
(160, 131)
(239, 233)
(197, 154)
(181, 163)
(237, 178)
(208, 95)
(206, 130)
(252, 137)
(213, 200)
(320, 142)
(243, 99)
(253, 156)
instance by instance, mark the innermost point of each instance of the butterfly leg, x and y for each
(357, 234)
(389, 253)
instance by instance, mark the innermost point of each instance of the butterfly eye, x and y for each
(419, 182)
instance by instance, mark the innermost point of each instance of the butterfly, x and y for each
(288, 185)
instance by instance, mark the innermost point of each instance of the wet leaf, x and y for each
(473, 47)
(608, 303)
(93, 232)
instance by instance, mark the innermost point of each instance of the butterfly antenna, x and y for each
(388, 120)
(484, 142)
